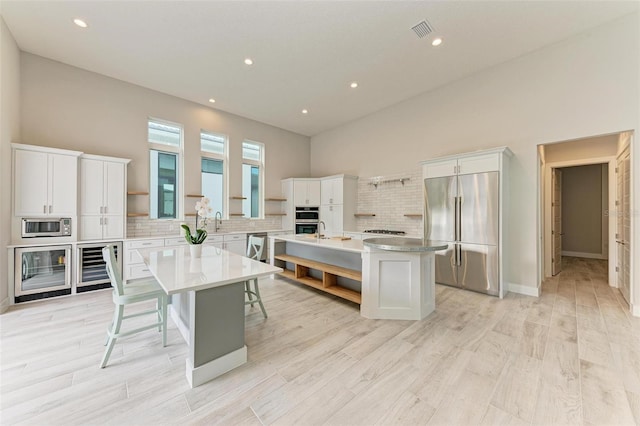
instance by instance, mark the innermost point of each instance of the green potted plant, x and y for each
(196, 239)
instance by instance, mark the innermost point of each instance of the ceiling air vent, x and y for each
(422, 29)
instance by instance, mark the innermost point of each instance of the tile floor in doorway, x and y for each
(571, 356)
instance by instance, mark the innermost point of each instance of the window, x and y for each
(252, 171)
(213, 149)
(165, 160)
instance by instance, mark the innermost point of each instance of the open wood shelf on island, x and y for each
(330, 273)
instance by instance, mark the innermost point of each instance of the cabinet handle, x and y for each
(50, 208)
(44, 209)
(100, 221)
(146, 244)
(100, 209)
(105, 221)
(105, 209)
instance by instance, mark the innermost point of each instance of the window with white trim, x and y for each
(252, 178)
(213, 151)
(165, 166)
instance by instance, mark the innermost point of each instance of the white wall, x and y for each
(9, 132)
(66, 107)
(585, 86)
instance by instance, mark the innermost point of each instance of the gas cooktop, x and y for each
(384, 231)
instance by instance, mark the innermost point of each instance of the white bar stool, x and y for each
(255, 246)
(133, 292)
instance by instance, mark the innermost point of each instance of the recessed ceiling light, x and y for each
(354, 85)
(304, 111)
(79, 22)
(248, 61)
(436, 41)
(213, 101)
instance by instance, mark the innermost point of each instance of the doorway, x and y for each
(565, 168)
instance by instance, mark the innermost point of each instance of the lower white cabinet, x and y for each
(135, 268)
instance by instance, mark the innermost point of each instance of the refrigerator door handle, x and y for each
(460, 218)
(456, 219)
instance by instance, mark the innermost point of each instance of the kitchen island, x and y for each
(394, 280)
(207, 300)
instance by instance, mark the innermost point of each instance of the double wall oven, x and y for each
(307, 220)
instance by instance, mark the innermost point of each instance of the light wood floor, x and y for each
(571, 356)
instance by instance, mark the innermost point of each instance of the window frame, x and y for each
(261, 172)
(179, 151)
(225, 167)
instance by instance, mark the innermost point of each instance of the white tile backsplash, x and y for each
(390, 201)
(145, 227)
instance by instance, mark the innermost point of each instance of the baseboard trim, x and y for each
(524, 289)
(584, 255)
(4, 305)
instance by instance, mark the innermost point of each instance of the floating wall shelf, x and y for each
(364, 214)
(190, 214)
(275, 199)
(194, 195)
(137, 193)
(137, 214)
(237, 198)
(236, 214)
(415, 215)
(275, 214)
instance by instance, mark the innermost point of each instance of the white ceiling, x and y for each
(305, 53)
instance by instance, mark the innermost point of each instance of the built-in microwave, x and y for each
(46, 227)
(307, 214)
(306, 228)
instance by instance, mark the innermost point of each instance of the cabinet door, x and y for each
(91, 227)
(337, 223)
(479, 164)
(113, 226)
(440, 168)
(31, 181)
(114, 188)
(237, 247)
(91, 186)
(327, 217)
(313, 192)
(64, 185)
(331, 191)
(300, 193)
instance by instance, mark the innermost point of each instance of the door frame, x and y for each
(547, 213)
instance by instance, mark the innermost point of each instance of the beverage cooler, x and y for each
(91, 268)
(42, 272)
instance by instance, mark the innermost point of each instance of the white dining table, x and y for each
(207, 304)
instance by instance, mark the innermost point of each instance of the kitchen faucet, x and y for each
(217, 221)
(324, 228)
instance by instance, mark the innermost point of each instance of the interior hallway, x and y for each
(571, 356)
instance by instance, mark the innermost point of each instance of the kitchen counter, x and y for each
(207, 304)
(405, 244)
(352, 245)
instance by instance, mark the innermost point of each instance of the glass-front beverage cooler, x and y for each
(42, 272)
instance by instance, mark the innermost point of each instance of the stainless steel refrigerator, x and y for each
(463, 211)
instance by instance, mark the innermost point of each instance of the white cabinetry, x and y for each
(45, 182)
(339, 199)
(102, 197)
(306, 192)
(235, 243)
(467, 164)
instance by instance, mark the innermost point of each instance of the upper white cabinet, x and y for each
(45, 181)
(306, 192)
(465, 164)
(339, 196)
(103, 182)
(332, 190)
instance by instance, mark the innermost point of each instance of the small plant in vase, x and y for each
(195, 240)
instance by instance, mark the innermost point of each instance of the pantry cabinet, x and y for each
(339, 196)
(103, 182)
(45, 181)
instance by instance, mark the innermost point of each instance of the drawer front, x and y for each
(235, 237)
(134, 272)
(213, 239)
(144, 244)
(177, 241)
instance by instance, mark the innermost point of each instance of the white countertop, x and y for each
(352, 245)
(177, 272)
